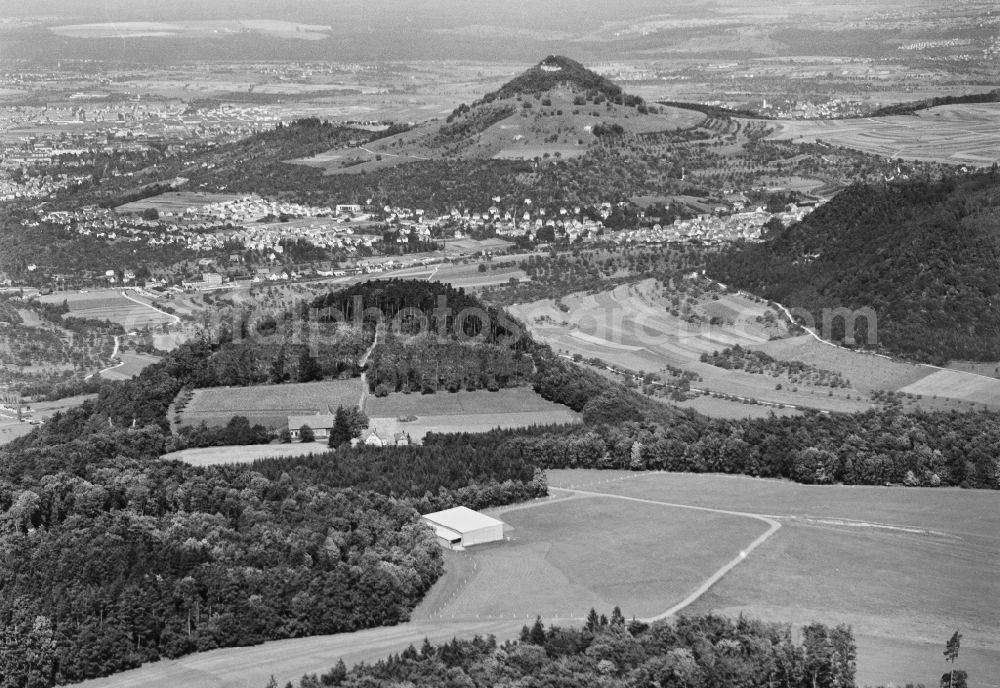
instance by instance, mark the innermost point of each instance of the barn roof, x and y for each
(315, 421)
(461, 519)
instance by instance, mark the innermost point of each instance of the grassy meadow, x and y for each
(270, 405)
(905, 567)
(566, 556)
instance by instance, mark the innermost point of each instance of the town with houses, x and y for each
(74, 134)
(249, 234)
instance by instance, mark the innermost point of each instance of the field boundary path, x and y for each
(114, 355)
(364, 373)
(773, 527)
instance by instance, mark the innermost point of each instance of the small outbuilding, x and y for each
(462, 527)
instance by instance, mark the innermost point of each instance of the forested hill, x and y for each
(924, 255)
(553, 71)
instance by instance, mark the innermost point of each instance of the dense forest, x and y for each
(692, 652)
(412, 307)
(428, 478)
(554, 71)
(427, 365)
(923, 254)
(115, 561)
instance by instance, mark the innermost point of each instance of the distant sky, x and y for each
(520, 30)
(549, 13)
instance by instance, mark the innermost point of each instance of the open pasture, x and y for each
(463, 411)
(904, 567)
(417, 429)
(959, 385)
(246, 453)
(566, 556)
(270, 405)
(506, 400)
(957, 134)
(867, 372)
(938, 389)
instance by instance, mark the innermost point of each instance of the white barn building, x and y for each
(463, 527)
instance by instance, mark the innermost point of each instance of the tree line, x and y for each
(691, 652)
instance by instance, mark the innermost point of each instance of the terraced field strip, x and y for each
(957, 384)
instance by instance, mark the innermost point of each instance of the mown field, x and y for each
(957, 134)
(507, 400)
(463, 411)
(565, 557)
(905, 567)
(248, 453)
(954, 384)
(270, 405)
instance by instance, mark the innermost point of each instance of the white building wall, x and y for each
(481, 535)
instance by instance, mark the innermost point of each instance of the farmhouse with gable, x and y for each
(322, 425)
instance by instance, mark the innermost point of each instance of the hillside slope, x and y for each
(558, 109)
(924, 255)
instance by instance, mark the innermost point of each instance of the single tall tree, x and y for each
(340, 433)
(951, 654)
(306, 434)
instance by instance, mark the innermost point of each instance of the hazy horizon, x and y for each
(401, 29)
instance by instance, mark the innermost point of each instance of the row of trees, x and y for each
(623, 429)
(692, 652)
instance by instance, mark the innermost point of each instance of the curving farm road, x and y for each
(773, 527)
(251, 667)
